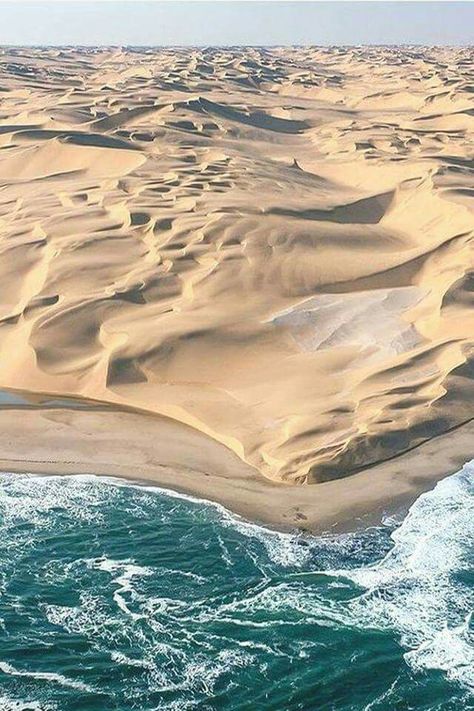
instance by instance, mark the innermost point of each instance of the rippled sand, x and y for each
(273, 246)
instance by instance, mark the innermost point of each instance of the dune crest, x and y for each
(274, 246)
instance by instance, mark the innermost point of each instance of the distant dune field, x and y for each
(272, 246)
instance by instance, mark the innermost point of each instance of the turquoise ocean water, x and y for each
(115, 596)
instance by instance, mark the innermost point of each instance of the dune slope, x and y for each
(273, 246)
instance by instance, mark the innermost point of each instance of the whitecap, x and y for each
(45, 676)
(415, 589)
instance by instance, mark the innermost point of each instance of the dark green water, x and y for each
(121, 597)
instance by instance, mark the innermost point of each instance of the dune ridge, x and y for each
(271, 245)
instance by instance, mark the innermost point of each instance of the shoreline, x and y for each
(277, 258)
(153, 450)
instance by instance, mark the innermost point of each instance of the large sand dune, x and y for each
(273, 246)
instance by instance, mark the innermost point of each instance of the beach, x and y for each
(86, 438)
(255, 262)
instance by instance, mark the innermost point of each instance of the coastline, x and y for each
(149, 449)
(296, 289)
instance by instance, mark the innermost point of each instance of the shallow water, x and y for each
(115, 596)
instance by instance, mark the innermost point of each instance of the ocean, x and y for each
(118, 597)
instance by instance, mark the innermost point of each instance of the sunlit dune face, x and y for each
(273, 246)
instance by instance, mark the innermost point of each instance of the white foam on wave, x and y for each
(30, 498)
(120, 658)
(90, 618)
(282, 548)
(200, 674)
(449, 650)
(415, 589)
(10, 670)
(418, 589)
(127, 570)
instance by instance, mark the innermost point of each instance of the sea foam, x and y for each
(183, 597)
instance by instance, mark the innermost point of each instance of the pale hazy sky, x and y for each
(222, 22)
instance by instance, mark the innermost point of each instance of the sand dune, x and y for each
(273, 246)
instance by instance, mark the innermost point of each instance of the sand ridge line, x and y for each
(259, 243)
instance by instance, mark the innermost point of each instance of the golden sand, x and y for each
(271, 246)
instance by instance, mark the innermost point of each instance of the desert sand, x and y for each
(270, 249)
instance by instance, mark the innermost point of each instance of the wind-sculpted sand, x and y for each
(273, 246)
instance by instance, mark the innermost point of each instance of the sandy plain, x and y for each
(269, 251)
